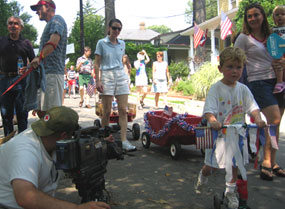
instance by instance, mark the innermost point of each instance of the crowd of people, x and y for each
(28, 178)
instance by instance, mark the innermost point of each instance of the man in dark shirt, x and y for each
(13, 51)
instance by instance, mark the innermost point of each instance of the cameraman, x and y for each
(28, 177)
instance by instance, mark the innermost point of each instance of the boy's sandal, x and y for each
(81, 103)
(278, 171)
(266, 173)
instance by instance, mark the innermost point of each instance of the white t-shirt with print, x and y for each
(24, 157)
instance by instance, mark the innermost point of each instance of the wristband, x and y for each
(52, 44)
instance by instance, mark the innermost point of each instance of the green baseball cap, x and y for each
(57, 119)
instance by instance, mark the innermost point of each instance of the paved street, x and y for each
(150, 179)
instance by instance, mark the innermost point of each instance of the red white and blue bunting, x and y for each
(178, 119)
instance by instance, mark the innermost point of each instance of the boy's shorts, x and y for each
(216, 157)
(52, 97)
(115, 82)
(71, 82)
(262, 93)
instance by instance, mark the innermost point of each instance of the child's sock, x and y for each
(230, 187)
(203, 179)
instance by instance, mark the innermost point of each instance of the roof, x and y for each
(138, 34)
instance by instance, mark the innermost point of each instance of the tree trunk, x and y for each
(199, 17)
(109, 13)
(82, 42)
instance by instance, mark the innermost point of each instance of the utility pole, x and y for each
(109, 13)
(82, 42)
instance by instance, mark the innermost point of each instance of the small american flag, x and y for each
(272, 133)
(225, 26)
(198, 34)
(91, 87)
(168, 110)
(205, 138)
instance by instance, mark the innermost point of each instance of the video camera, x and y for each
(84, 158)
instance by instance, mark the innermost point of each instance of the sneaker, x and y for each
(231, 200)
(202, 188)
(128, 146)
(198, 186)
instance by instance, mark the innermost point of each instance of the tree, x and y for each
(209, 7)
(13, 9)
(93, 30)
(268, 6)
(109, 13)
(160, 28)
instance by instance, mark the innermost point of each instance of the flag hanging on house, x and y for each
(198, 33)
(225, 26)
(204, 38)
(205, 137)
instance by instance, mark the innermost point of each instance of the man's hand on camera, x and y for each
(94, 205)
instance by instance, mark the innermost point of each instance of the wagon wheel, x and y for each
(175, 150)
(217, 201)
(136, 131)
(145, 140)
(97, 123)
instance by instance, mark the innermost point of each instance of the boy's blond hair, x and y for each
(279, 7)
(232, 53)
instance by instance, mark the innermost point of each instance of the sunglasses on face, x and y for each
(13, 23)
(116, 28)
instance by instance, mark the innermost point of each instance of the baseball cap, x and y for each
(57, 119)
(43, 2)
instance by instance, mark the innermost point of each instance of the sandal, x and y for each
(266, 173)
(278, 88)
(81, 103)
(278, 171)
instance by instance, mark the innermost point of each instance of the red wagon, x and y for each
(114, 118)
(172, 131)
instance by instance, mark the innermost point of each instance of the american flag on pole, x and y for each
(198, 33)
(91, 87)
(205, 138)
(225, 26)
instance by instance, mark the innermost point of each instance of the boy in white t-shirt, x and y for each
(227, 103)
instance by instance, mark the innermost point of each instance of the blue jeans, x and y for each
(13, 100)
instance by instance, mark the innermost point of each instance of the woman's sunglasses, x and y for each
(116, 28)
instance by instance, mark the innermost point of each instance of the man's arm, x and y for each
(29, 197)
(47, 49)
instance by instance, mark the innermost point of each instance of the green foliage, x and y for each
(178, 70)
(186, 87)
(199, 83)
(204, 78)
(93, 31)
(160, 28)
(132, 49)
(268, 6)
